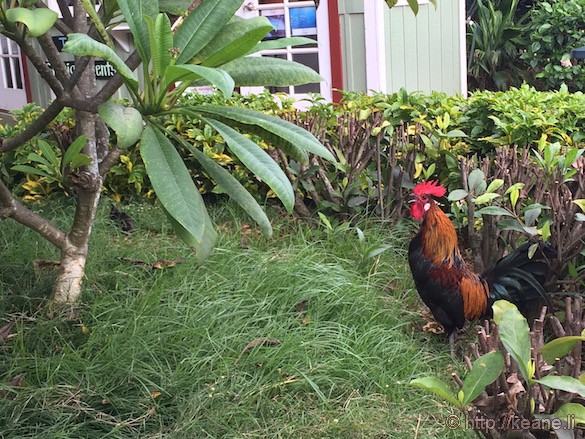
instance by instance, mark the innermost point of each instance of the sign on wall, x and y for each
(103, 69)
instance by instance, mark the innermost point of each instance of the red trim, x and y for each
(26, 77)
(335, 44)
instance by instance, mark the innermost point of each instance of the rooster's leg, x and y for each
(452, 338)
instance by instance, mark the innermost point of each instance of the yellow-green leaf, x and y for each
(38, 21)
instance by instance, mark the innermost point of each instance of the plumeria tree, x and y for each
(208, 46)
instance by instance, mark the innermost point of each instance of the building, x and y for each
(360, 45)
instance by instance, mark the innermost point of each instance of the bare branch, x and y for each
(11, 208)
(79, 104)
(110, 160)
(54, 58)
(41, 67)
(65, 12)
(80, 67)
(35, 128)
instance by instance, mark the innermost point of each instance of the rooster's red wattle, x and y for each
(452, 291)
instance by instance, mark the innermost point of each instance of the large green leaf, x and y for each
(257, 161)
(190, 72)
(204, 246)
(559, 347)
(134, 12)
(125, 121)
(264, 71)
(493, 210)
(73, 157)
(281, 43)
(38, 21)
(485, 371)
(172, 182)
(233, 188)
(476, 177)
(515, 336)
(161, 42)
(279, 132)
(500, 307)
(201, 25)
(438, 387)
(234, 41)
(83, 45)
(566, 383)
(25, 169)
(574, 409)
(73, 149)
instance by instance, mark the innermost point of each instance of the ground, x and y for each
(299, 335)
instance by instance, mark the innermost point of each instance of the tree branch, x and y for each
(35, 128)
(111, 159)
(79, 104)
(54, 58)
(66, 13)
(39, 63)
(80, 67)
(11, 208)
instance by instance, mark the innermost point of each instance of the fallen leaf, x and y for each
(14, 382)
(161, 264)
(17, 380)
(515, 388)
(260, 341)
(433, 328)
(133, 261)
(6, 330)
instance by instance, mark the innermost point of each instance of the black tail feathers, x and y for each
(519, 277)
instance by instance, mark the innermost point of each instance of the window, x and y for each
(10, 67)
(293, 18)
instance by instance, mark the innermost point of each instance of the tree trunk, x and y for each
(87, 182)
(68, 286)
(89, 186)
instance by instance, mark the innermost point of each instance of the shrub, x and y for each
(495, 40)
(55, 139)
(517, 377)
(522, 117)
(555, 29)
(536, 194)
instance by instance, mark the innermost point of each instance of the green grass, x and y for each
(159, 353)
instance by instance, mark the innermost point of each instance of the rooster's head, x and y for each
(423, 193)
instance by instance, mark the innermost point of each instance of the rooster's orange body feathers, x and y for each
(452, 291)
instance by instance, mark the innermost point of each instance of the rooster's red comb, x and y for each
(429, 188)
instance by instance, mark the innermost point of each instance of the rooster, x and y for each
(452, 291)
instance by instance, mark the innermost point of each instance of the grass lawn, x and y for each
(164, 353)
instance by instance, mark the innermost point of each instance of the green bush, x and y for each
(56, 138)
(382, 142)
(495, 39)
(555, 29)
(522, 117)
